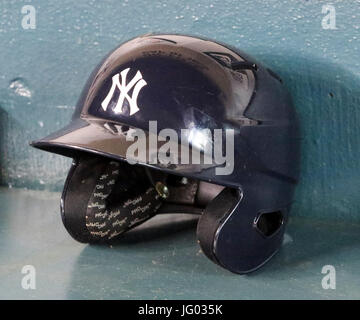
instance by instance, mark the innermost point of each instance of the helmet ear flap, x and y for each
(235, 232)
(103, 199)
(213, 217)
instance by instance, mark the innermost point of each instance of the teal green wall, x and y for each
(42, 72)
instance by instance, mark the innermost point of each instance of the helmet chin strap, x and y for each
(182, 194)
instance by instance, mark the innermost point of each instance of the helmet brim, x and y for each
(111, 140)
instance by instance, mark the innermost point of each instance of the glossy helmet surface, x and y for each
(182, 82)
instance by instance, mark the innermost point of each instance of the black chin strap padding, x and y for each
(207, 192)
(174, 208)
(188, 195)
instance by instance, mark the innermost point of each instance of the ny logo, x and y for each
(124, 89)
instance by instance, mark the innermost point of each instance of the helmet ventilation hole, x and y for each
(270, 222)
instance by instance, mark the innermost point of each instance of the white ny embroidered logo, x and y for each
(124, 88)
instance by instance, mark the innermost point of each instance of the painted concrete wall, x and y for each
(43, 70)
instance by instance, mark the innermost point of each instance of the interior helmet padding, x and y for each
(107, 199)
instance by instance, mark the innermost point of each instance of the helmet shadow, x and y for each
(327, 99)
(3, 117)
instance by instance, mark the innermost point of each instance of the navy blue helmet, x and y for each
(178, 124)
